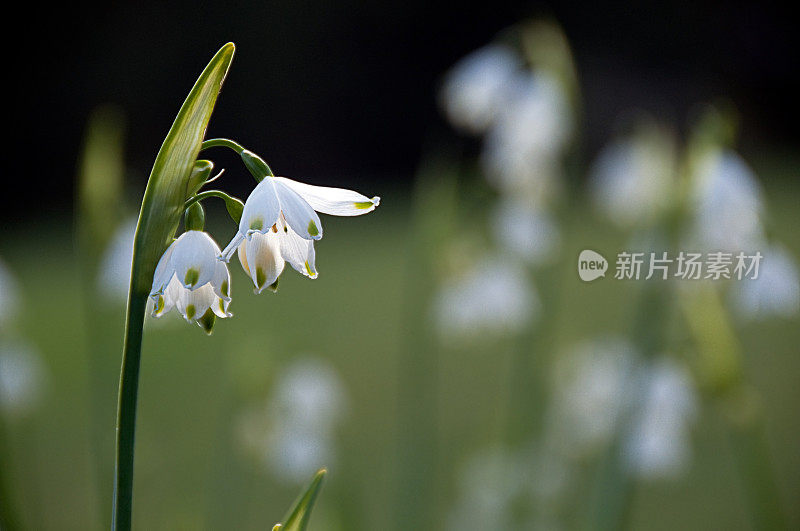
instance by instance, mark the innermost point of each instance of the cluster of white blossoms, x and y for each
(279, 224)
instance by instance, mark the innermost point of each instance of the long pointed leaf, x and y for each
(166, 191)
(298, 516)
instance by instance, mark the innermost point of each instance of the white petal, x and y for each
(297, 251)
(298, 213)
(262, 259)
(165, 301)
(221, 282)
(333, 201)
(195, 258)
(220, 308)
(164, 271)
(262, 208)
(193, 303)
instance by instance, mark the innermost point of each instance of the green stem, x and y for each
(222, 142)
(126, 411)
(209, 193)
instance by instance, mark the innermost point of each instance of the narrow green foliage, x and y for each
(298, 517)
(168, 186)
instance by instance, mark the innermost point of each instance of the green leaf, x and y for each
(168, 186)
(297, 518)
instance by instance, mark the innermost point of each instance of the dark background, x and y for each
(344, 92)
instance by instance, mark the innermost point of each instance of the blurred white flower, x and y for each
(474, 90)
(21, 378)
(728, 204)
(631, 179)
(591, 390)
(294, 434)
(523, 147)
(776, 291)
(659, 443)
(526, 230)
(488, 485)
(115, 267)
(494, 296)
(9, 295)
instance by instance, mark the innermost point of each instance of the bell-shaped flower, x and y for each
(190, 278)
(279, 224)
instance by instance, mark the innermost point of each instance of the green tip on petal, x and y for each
(273, 287)
(363, 205)
(261, 277)
(191, 278)
(257, 224)
(308, 270)
(224, 288)
(312, 228)
(190, 311)
(207, 321)
(159, 305)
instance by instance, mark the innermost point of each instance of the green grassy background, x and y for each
(191, 471)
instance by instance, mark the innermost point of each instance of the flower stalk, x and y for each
(160, 214)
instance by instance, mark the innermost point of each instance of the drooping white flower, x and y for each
(279, 224)
(658, 445)
(526, 230)
(728, 204)
(776, 291)
(475, 89)
(631, 179)
(22, 378)
(496, 296)
(522, 148)
(591, 385)
(190, 278)
(115, 267)
(293, 433)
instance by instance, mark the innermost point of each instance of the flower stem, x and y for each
(222, 142)
(126, 412)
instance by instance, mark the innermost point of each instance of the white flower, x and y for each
(279, 224)
(526, 230)
(294, 433)
(22, 378)
(190, 278)
(115, 268)
(631, 178)
(523, 147)
(496, 297)
(474, 90)
(728, 204)
(592, 386)
(776, 291)
(659, 445)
